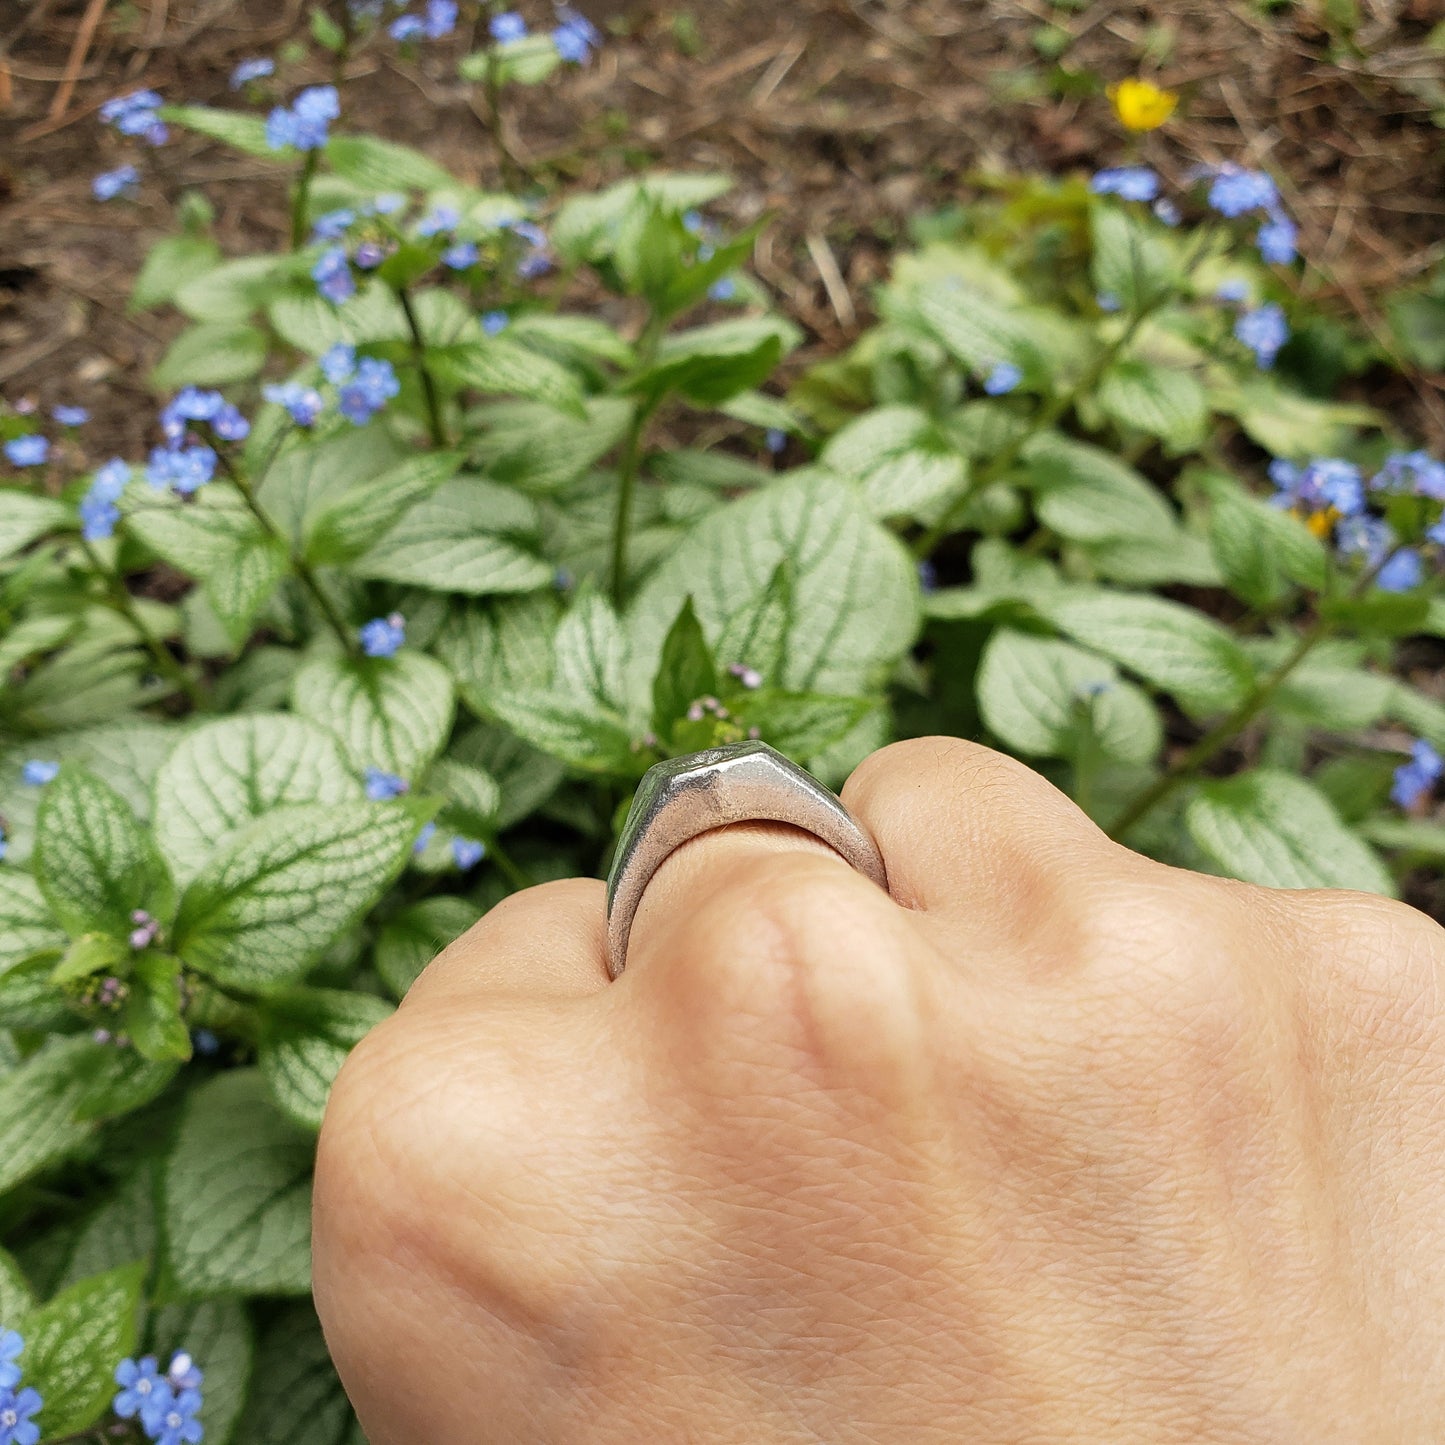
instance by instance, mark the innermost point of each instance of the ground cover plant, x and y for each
(408, 590)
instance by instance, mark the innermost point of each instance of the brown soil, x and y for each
(842, 117)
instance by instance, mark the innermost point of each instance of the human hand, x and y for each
(1056, 1144)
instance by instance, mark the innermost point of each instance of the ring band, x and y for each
(683, 797)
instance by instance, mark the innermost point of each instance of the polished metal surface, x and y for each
(682, 797)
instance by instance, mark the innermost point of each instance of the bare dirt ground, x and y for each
(841, 117)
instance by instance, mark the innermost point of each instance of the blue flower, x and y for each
(1367, 538)
(1436, 533)
(1232, 292)
(576, 37)
(507, 27)
(1417, 777)
(111, 479)
(71, 415)
(136, 114)
(927, 576)
(1263, 330)
(383, 636)
(98, 517)
(172, 1420)
(1129, 183)
(183, 1372)
(249, 70)
(1416, 472)
(39, 771)
(1002, 379)
(109, 184)
(382, 785)
(186, 470)
(12, 1346)
(424, 837)
(140, 1383)
(1278, 241)
(338, 363)
(441, 18)
(467, 852)
(16, 1426)
(439, 219)
(1234, 191)
(304, 125)
(494, 322)
(1167, 211)
(386, 204)
(723, 289)
(775, 439)
(1108, 302)
(408, 27)
(368, 391)
(304, 403)
(1402, 573)
(27, 451)
(460, 256)
(332, 275)
(205, 1043)
(332, 225)
(194, 404)
(370, 255)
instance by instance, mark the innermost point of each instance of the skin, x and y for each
(1057, 1143)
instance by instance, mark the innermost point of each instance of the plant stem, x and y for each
(428, 382)
(301, 198)
(513, 177)
(632, 458)
(124, 603)
(299, 564)
(511, 870)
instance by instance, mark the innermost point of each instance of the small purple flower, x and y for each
(1401, 573)
(495, 322)
(460, 256)
(1414, 472)
(723, 289)
(1278, 241)
(750, 677)
(332, 275)
(424, 837)
(381, 785)
(27, 451)
(12, 1346)
(110, 184)
(407, 27)
(333, 225)
(39, 771)
(1232, 292)
(1004, 377)
(370, 255)
(1235, 191)
(250, 70)
(438, 220)
(304, 403)
(338, 363)
(145, 930)
(210, 407)
(71, 415)
(467, 853)
(1129, 183)
(1413, 780)
(184, 470)
(507, 27)
(1367, 539)
(1263, 330)
(140, 1383)
(576, 37)
(775, 439)
(16, 1426)
(383, 636)
(374, 384)
(441, 18)
(183, 1372)
(172, 1421)
(137, 114)
(1167, 212)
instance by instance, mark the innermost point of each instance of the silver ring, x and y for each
(682, 797)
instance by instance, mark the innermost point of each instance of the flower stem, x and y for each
(632, 458)
(301, 199)
(124, 603)
(513, 176)
(428, 382)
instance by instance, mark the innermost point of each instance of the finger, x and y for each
(547, 942)
(968, 831)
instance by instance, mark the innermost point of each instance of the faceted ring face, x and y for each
(682, 797)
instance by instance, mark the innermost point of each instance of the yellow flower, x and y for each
(1141, 105)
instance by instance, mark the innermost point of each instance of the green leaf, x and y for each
(685, 672)
(903, 463)
(244, 132)
(979, 329)
(1131, 261)
(1260, 549)
(233, 290)
(28, 999)
(573, 730)
(1273, 828)
(804, 724)
(586, 227)
(297, 1398)
(1164, 403)
(263, 910)
(382, 165)
(200, 536)
(541, 450)
(153, 1011)
(217, 1336)
(26, 925)
(392, 713)
(1287, 424)
(25, 516)
(1091, 497)
(226, 774)
(1035, 693)
(1412, 837)
(119, 1081)
(72, 1346)
(525, 778)
(16, 1299)
(412, 938)
(90, 953)
(591, 653)
(119, 1231)
(169, 265)
(305, 479)
(326, 32)
(463, 538)
(503, 645)
(242, 583)
(756, 635)
(499, 366)
(1379, 614)
(854, 588)
(350, 524)
(1167, 644)
(306, 1035)
(709, 364)
(211, 354)
(93, 860)
(38, 1126)
(238, 1193)
(472, 795)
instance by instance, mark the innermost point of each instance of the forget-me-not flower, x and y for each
(171, 1419)
(381, 785)
(467, 852)
(460, 256)
(1263, 330)
(16, 1408)
(1004, 377)
(576, 37)
(1129, 183)
(332, 225)
(249, 70)
(507, 27)
(27, 451)
(439, 219)
(332, 275)
(1278, 240)
(1235, 191)
(304, 403)
(140, 1381)
(424, 837)
(1414, 779)
(109, 184)
(383, 636)
(304, 124)
(494, 322)
(1402, 571)
(39, 771)
(71, 415)
(186, 470)
(195, 405)
(338, 362)
(12, 1346)
(361, 397)
(137, 113)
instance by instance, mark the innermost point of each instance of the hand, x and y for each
(1057, 1144)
